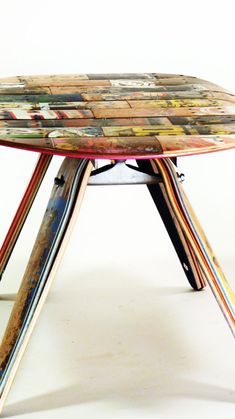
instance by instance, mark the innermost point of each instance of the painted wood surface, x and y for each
(63, 206)
(116, 116)
(23, 210)
(198, 241)
(180, 242)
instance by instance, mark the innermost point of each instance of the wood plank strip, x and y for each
(51, 132)
(177, 103)
(166, 81)
(10, 80)
(21, 89)
(47, 98)
(45, 114)
(63, 105)
(40, 84)
(115, 94)
(47, 78)
(119, 76)
(26, 105)
(34, 82)
(183, 145)
(143, 131)
(168, 130)
(202, 120)
(181, 80)
(196, 121)
(188, 80)
(168, 75)
(148, 112)
(125, 87)
(72, 79)
(82, 122)
(113, 131)
(133, 83)
(143, 95)
(53, 80)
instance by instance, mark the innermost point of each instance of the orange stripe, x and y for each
(193, 238)
(23, 209)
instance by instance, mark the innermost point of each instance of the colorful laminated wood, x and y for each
(150, 117)
(116, 115)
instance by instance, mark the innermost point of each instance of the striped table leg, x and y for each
(23, 210)
(183, 249)
(63, 206)
(198, 241)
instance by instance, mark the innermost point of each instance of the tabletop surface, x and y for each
(116, 116)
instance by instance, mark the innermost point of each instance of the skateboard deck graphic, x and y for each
(23, 210)
(63, 206)
(198, 241)
(182, 246)
(150, 117)
(116, 116)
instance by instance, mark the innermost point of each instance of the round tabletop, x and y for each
(116, 116)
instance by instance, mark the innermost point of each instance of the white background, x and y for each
(121, 335)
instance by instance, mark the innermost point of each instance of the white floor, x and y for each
(122, 335)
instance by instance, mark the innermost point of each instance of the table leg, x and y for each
(182, 246)
(23, 210)
(64, 203)
(198, 241)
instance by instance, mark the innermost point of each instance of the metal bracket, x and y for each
(121, 173)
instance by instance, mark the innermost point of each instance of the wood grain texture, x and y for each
(64, 203)
(149, 116)
(197, 239)
(23, 210)
(179, 240)
(86, 112)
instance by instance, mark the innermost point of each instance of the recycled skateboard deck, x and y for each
(150, 117)
(63, 206)
(23, 210)
(116, 116)
(197, 239)
(183, 248)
